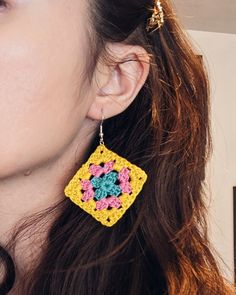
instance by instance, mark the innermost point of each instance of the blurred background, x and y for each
(211, 25)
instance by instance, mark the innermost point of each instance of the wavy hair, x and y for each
(161, 244)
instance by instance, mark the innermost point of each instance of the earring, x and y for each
(106, 185)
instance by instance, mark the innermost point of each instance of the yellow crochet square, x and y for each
(110, 215)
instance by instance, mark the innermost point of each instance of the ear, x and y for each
(121, 82)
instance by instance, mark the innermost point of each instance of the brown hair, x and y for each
(161, 244)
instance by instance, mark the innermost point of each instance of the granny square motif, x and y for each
(106, 185)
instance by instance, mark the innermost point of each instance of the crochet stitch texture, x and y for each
(106, 185)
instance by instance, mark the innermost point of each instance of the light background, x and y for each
(211, 25)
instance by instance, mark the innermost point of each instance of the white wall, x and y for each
(219, 51)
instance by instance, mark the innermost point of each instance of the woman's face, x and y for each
(42, 57)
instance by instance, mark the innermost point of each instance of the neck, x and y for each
(36, 189)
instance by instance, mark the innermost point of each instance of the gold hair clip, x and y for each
(156, 21)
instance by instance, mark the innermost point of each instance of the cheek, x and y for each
(37, 98)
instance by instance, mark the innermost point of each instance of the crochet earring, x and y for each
(106, 185)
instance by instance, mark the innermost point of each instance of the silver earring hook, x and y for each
(101, 130)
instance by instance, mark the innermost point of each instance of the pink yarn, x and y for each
(125, 187)
(97, 170)
(88, 195)
(106, 202)
(102, 204)
(108, 167)
(124, 180)
(89, 192)
(86, 184)
(112, 201)
(124, 174)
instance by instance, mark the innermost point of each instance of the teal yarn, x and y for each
(105, 185)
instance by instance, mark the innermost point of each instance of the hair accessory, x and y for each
(156, 21)
(106, 185)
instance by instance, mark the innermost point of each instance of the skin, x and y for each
(49, 114)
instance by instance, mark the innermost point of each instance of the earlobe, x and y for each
(126, 78)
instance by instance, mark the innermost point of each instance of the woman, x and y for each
(62, 62)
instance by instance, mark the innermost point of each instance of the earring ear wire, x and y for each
(101, 134)
(106, 185)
